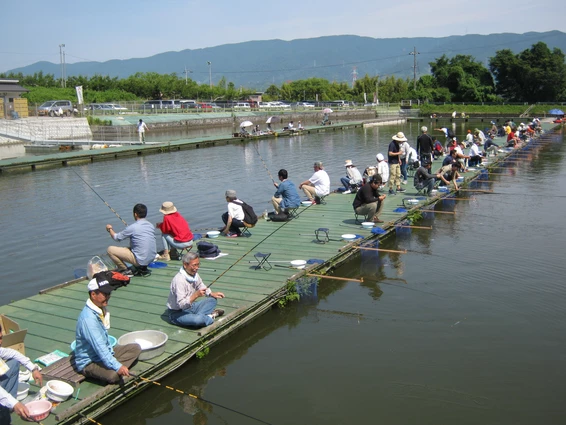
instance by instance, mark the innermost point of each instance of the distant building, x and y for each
(10, 90)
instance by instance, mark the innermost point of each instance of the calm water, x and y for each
(466, 328)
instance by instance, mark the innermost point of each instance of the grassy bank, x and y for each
(511, 110)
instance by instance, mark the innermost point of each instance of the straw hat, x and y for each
(400, 137)
(348, 163)
(167, 208)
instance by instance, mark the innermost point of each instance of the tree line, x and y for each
(535, 75)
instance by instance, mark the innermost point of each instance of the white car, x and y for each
(265, 105)
(115, 107)
(278, 104)
(304, 105)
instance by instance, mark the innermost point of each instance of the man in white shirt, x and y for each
(142, 128)
(9, 383)
(234, 217)
(318, 185)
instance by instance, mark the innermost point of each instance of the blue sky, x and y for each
(121, 29)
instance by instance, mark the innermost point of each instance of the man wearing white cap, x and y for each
(382, 169)
(94, 356)
(394, 159)
(353, 179)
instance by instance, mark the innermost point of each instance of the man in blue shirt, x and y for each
(142, 250)
(94, 357)
(286, 195)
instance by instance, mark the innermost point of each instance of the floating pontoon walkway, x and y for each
(51, 316)
(77, 157)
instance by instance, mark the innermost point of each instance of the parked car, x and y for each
(190, 105)
(264, 104)
(279, 104)
(116, 107)
(52, 108)
(242, 105)
(304, 105)
(161, 104)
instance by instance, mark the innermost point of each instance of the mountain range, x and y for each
(258, 64)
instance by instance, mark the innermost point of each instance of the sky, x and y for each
(122, 29)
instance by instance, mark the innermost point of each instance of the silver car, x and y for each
(55, 107)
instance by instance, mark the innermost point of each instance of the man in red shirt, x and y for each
(175, 229)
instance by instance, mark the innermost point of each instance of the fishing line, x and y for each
(254, 247)
(198, 398)
(106, 203)
(263, 162)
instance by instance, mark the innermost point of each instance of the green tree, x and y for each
(534, 75)
(465, 78)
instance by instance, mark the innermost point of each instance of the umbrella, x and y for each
(327, 110)
(246, 124)
(556, 112)
(271, 120)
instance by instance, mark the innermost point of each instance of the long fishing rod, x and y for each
(263, 162)
(251, 249)
(198, 398)
(106, 203)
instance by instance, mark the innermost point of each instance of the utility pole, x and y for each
(187, 72)
(62, 61)
(210, 73)
(415, 53)
(377, 89)
(354, 76)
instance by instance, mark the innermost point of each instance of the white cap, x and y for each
(380, 157)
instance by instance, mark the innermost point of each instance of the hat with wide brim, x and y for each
(348, 163)
(167, 208)
(399, 137)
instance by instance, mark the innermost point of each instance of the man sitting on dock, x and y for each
(142, 250)
(424, 180)
(186, 287)
(233, 218)
(286, 195)
(318, 185)
(175, 230)
(368, 202)
(94, 356)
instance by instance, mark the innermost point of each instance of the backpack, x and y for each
(450, 133)
(114, 279)
(207, 250)
(250, 216)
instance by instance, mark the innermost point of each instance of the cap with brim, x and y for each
(380, 157)
(348, 163)
(399, 137)
(231, 194)
(102, 286)
(167, 208)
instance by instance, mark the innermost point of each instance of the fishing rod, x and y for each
(106, 203)
(263, 162)
(251, 249)
(198, 398)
